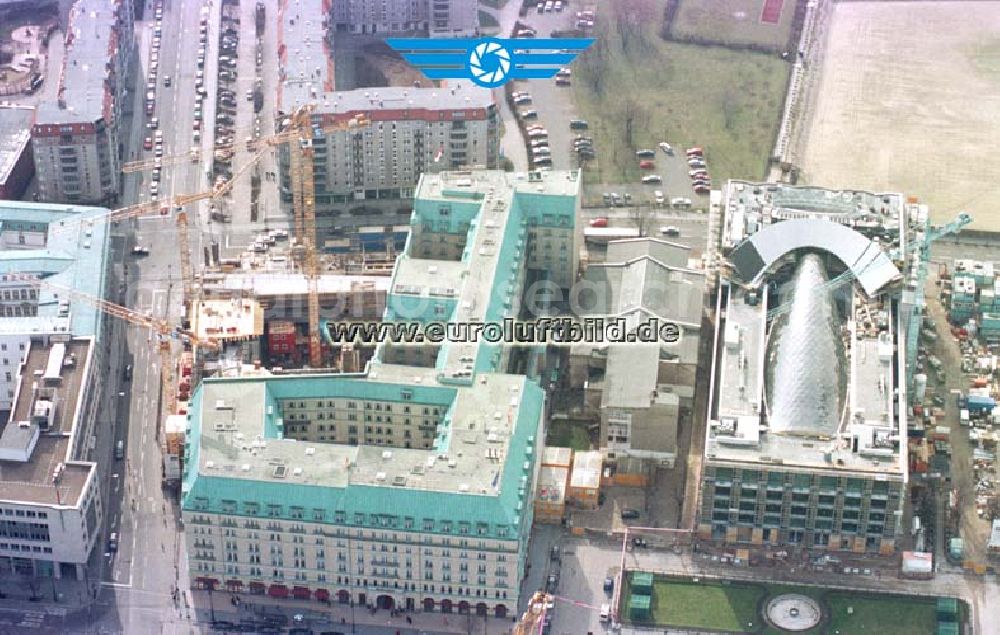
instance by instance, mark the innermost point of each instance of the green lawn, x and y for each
(564, 434)
(728, 102)
(706, 605)
(711, 605)
(487, 21)
(889, 616)
(732, 22)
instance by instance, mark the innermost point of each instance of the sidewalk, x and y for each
(359, 620)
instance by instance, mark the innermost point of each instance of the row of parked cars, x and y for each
(154, 140)
(698, 173)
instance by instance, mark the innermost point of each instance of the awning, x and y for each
(278, 591)
(234, 585)
(206, 583)
(322, 595)
(257, 587)
(301, 593)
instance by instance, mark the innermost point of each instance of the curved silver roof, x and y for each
(869, 263)
(805, 384)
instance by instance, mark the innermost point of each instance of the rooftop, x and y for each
(487, 434)
(587, 469)
(308, 74)
(774, 417)
(271, 284)
(483, 284)
(228, 319)
(15, 134)
(61, 247)
(32, 481)
(83, 81)
(457, 94)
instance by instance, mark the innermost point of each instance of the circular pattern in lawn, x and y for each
(792, 612)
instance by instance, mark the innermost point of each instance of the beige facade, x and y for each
(391, 568)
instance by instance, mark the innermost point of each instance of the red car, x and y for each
(701, 189)
(147, 143)
(647, 165)
(599, 222)
(695, 152)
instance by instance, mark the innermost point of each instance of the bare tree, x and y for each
(643, 217)
(633, 116)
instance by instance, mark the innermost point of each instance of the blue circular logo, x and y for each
(489, 63)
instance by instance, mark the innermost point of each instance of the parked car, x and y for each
(147, 143)
(167, 81)
(599, 222)
(528, 114)
(680, 202)
(647, 164)
(667, 149)
(695, 151)
(609, 585)
(670, 230)
(563, 81)
(701, 189)
(153, 124)
(645, 154)
(652, 179)
(658, 197)
(578, 124)
(630, 514)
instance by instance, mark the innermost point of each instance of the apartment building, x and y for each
(75, 140)
(808, 407)
(439, 18)
(406, 132)
(407, 486)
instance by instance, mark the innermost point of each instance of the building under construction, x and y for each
(807, 415)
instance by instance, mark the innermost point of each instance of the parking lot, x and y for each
(555, 108)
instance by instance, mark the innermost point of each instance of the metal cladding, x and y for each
(805, 385)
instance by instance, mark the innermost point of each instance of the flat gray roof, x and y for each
(15, 134)
(89, 45)
(31, 482)
(482, 418)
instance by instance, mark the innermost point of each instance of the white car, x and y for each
(658, 197)
(680, 202)
(652, 179)
(666, 147)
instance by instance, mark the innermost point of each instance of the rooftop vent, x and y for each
(279, 471)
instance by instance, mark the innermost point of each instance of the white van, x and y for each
(605, 612)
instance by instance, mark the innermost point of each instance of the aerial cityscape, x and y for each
(499, 317)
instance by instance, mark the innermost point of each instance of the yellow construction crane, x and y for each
(298, 134)
(532, 621)
(162, 328)
(302, 178)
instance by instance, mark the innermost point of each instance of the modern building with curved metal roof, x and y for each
(864, 257)
(807, 405)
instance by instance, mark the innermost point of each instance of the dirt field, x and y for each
(908, 101)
